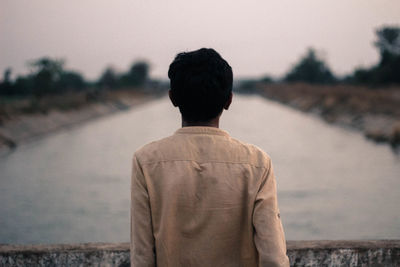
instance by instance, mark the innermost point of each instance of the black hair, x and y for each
(201, 84)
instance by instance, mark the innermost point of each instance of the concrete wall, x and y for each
(301, 253)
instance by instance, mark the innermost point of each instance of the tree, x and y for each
(137, 74)
(7, 76)
(6, 85)
(47, 76)
(387, 71)
(388, 40)
(388, 43)
(24, 85)
(71, 80)
(267, 79)
(108, 79)
(310, 69)
(47, 73)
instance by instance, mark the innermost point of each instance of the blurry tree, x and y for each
(387, 71)
(388, 40)
(23, 85)
(6, 85)
(137, 74)
(310, 69)
(247, 86)
(267, 79)
(108, 79)
(388, 43)
(362, 75)
(7, 76)
(71, 80)
(46, 74)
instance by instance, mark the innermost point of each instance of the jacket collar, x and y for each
(201, 130)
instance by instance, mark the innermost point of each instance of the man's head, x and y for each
(201, 84)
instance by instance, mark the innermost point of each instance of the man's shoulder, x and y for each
(253, 153)
(151, 149)
(178, 147)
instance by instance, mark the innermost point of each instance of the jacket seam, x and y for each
(202, 162)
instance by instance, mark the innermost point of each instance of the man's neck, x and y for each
(210, 123)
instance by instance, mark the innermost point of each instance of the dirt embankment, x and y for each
(22, 120)
(376, 112)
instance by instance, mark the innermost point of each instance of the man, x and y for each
(201, 197)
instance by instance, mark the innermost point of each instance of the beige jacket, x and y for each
(202, 198)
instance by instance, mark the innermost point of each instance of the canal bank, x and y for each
(19, 126)
(373, 111)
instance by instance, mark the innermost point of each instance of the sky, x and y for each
(257, 38)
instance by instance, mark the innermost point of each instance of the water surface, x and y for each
(74, 186)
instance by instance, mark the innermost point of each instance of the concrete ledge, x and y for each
(301, 253)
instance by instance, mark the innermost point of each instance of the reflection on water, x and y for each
(75, 186)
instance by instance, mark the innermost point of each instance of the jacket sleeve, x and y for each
(269, 237)
(142, 251)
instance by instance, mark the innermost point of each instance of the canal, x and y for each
(74, 186)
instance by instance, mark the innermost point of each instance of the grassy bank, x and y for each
(23, 119)
(376, 111)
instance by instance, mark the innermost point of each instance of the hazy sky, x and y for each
(255, 37)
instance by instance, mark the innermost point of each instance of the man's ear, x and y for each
(229, 102)
(172, 98)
